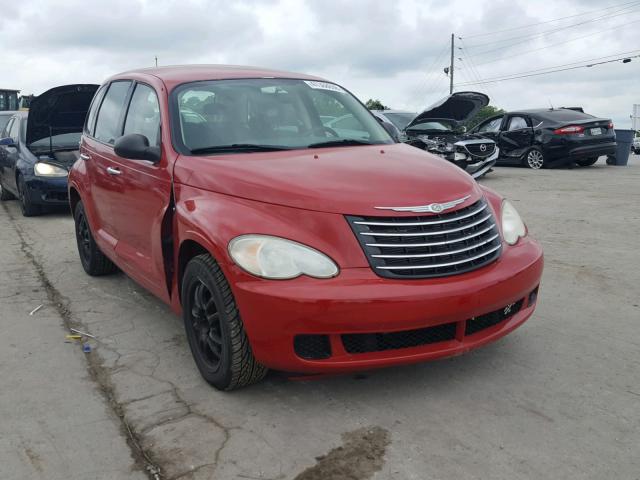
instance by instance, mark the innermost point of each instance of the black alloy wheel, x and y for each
(94, 262)
(216, 335)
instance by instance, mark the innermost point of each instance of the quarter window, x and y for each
(93, 110)
(108, 123)
(143, 116)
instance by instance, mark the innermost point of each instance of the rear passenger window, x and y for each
(108, 123)
(517, 123)
(144, 114)
(93, 110)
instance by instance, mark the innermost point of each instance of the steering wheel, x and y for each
(325, 129)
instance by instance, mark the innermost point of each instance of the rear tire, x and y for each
(94, 262)
(215, 332)
(587, 162)
(27, 207)
(5, 194)
(534, 159)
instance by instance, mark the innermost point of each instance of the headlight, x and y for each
(460, 156)
(512, 225)
(278, 258)
(47, 170)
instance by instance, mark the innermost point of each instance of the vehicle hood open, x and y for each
(342, 180)
(59, 110)
(459, 106)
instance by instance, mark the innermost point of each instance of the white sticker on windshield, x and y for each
(324, 86)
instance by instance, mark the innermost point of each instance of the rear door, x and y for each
(516, 137)
(139, 204)
(97, 151)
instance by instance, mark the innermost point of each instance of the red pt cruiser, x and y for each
(275, 213)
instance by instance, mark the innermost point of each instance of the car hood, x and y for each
(459, 106)
(343, 180)
(59, 110)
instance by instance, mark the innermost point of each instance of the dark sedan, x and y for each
(38, 147)
(549, 137)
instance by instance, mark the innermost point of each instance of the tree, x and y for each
(376, 104)
(482, 115)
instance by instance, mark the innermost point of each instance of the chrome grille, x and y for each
(429, 246)
(476, 149)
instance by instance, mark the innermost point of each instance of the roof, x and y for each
(530, 111)
(9, 90)
(177, 74)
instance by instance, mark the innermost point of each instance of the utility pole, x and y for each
(156, 60)
(451, 65)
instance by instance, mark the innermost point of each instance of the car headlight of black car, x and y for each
(43, 169)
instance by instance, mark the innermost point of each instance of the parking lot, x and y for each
(557, 398)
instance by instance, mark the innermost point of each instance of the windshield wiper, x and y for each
(239, 147)
(339, 143)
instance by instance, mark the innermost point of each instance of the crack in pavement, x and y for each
(142, 458)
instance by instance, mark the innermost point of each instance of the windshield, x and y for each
(270, 114)
(400, 120)
(63, 141)
(436, 126)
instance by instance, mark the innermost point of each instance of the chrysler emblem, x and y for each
(431, 208)
(483, 147)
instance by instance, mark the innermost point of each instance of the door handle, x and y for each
(85, 156)
(113, 171)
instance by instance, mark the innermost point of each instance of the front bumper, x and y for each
(359, 302)
(47, 191)
(481, 167)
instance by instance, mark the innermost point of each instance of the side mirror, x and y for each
(136, 147)
(7, 142)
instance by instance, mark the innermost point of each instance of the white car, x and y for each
(635, 146)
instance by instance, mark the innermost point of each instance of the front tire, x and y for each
(5, 194)
(587, 162)
(27, 207)
(215, 332)
(534, 159)
(94, 262)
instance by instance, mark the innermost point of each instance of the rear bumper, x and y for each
(570, 154)
(49, 191)
(359, 302)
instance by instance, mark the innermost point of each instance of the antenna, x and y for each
(156, 57)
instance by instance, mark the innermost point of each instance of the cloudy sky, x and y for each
(391, 50)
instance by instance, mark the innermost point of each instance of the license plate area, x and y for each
(595, 131)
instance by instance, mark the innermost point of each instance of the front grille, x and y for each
(312, 347)
(355, 343)
(476, 149)
(429, 246)
(378, 342)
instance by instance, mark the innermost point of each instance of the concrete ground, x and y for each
(558, 398)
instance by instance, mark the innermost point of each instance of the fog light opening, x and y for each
(533, 296)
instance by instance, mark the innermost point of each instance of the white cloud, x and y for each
(394, 51)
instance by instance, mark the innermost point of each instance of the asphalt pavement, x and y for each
(557, 398)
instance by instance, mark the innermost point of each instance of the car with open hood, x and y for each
(439, 130)
(285, 243)
(38, 147)
(549, 137)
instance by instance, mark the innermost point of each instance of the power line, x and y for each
(529, 39)
(495, 32)
(616, 13)
(517, 75)
(573, 39)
